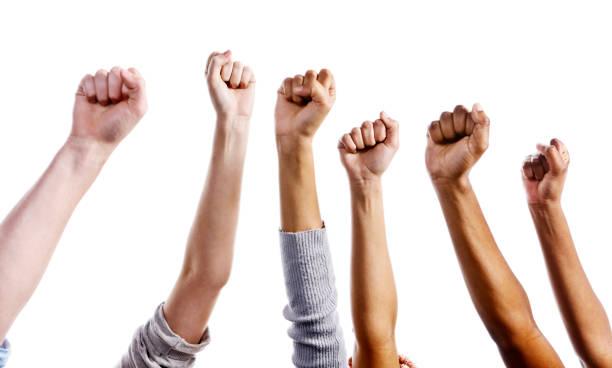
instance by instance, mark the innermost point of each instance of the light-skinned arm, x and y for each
(585, 318)
(366, 152)
(454, 145)
(107, 107)
(208, 257)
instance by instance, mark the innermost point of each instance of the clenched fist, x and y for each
(108, 106)
(303, 102)
(544, 173)
(366, 152)
(456, 142)
(231, 86)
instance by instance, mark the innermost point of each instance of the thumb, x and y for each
(392, 127)
(481, 127)
(135, 89)
(215, 63)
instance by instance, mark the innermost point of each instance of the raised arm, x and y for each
(178, 330)
(210, 247)
(302, 104)
(365, 153)
(454, 145)
(107, 107)
(584, 316)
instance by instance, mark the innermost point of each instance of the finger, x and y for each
(247, 77)
(135, 89)
(115, 84)
(347, 143)
(446, 125)
(554, 158)
(213, 54)
(435, 133)
(101, 81)
(367, 133)
(481, 127)
(380, 131)
(392, 127)
(296, 86)
(356, 136)
(87, 88)
(562, 150)
(309, 77)
(469, 125)
(459, 120)
(326, 78)
(527, 169)
(216, 63)
(286, 88)
(226, 72)
(538, 169)
(236, 74)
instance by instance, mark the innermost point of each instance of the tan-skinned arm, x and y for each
(366, 152)
(107, 107)
(455, 143)
(303, 102)
(583, 314)
(210, 247)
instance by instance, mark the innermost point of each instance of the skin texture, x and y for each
(107, 107)
(454, 145)
(366, 152)
(301, 106)
(585, 318)
(210, 247)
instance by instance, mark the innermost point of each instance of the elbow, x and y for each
(513, 331)
(595, 357)
(213, 280)
(374, 339)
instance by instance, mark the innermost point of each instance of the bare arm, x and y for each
(584, 316)
(366, 152)
(209, 253)
(455, 143)
(107, 107)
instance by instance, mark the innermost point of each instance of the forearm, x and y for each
(31, 231)
(210, 247)
(373, 294)
(312, 306)
(298, 194)
(497, 295)
(583, 314)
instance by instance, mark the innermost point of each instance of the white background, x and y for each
(540, 70)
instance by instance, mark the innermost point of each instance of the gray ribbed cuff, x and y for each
(155, 345)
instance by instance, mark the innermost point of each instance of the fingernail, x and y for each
(478, 107)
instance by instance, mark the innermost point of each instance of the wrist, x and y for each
(365, 185)
(544, 207)
(233, 124)
(84, 153)
(290, 145)
(461, 184)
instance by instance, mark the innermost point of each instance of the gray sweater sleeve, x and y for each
(155, 345)
(310, 283)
